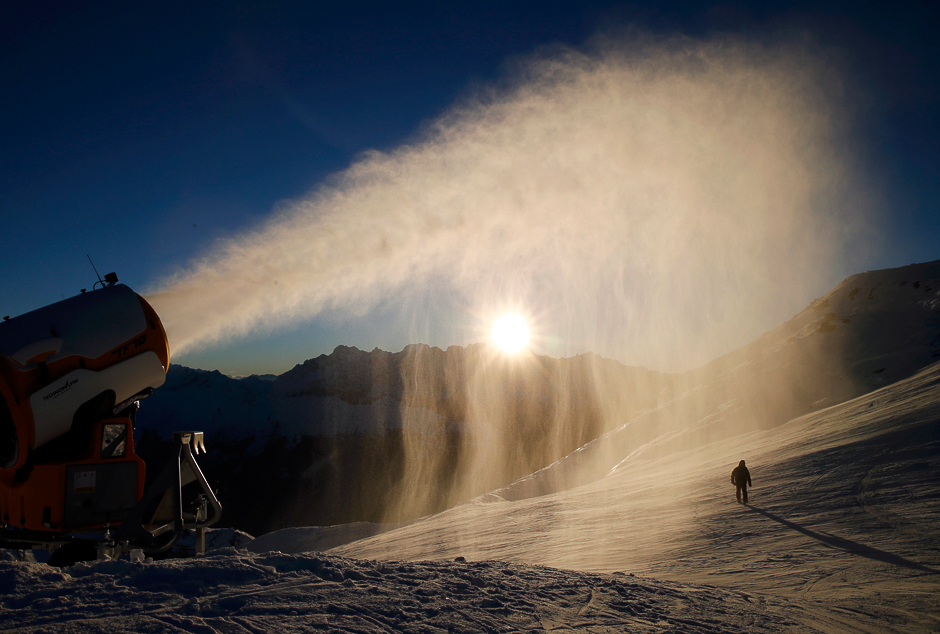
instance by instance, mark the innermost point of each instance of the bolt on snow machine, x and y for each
(72, 375)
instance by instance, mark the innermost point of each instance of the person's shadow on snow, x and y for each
(847, 544)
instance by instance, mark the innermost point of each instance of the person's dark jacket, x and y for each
(740, 475)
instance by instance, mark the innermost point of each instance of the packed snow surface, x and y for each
(237, 591)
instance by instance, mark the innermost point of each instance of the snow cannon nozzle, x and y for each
(72, 375)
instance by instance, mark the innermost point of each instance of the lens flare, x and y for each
(510, 332)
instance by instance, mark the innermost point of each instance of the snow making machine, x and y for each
(72, 375)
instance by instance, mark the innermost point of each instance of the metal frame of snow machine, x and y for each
(72, 375)
(161, 505)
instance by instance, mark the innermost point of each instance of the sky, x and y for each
(142, 134)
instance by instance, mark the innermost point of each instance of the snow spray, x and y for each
(656, 201)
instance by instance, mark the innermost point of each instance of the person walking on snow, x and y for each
(741, 479)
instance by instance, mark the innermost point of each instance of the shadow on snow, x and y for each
(848, 545)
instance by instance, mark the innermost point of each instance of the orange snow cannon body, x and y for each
(71, 378)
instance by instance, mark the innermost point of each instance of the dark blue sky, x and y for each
(142, 132)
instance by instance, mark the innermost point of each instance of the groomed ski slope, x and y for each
(841, 536)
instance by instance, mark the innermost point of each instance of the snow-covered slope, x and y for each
(843, 516)
(871, 330)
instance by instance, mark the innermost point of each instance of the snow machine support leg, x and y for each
(207, 498)
(168, 486)
(169, 516)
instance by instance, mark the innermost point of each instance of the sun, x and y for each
(510, 332)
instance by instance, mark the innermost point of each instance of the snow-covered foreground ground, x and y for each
(841, 535)
(237, 591)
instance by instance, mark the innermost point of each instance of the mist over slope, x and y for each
(871, 330)
(384, 437)
(351, 390)
(842, 517)
(388, 436)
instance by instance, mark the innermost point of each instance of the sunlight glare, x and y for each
(510, 332)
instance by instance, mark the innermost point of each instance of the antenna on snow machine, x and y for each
(110, 279)
(100, 281)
